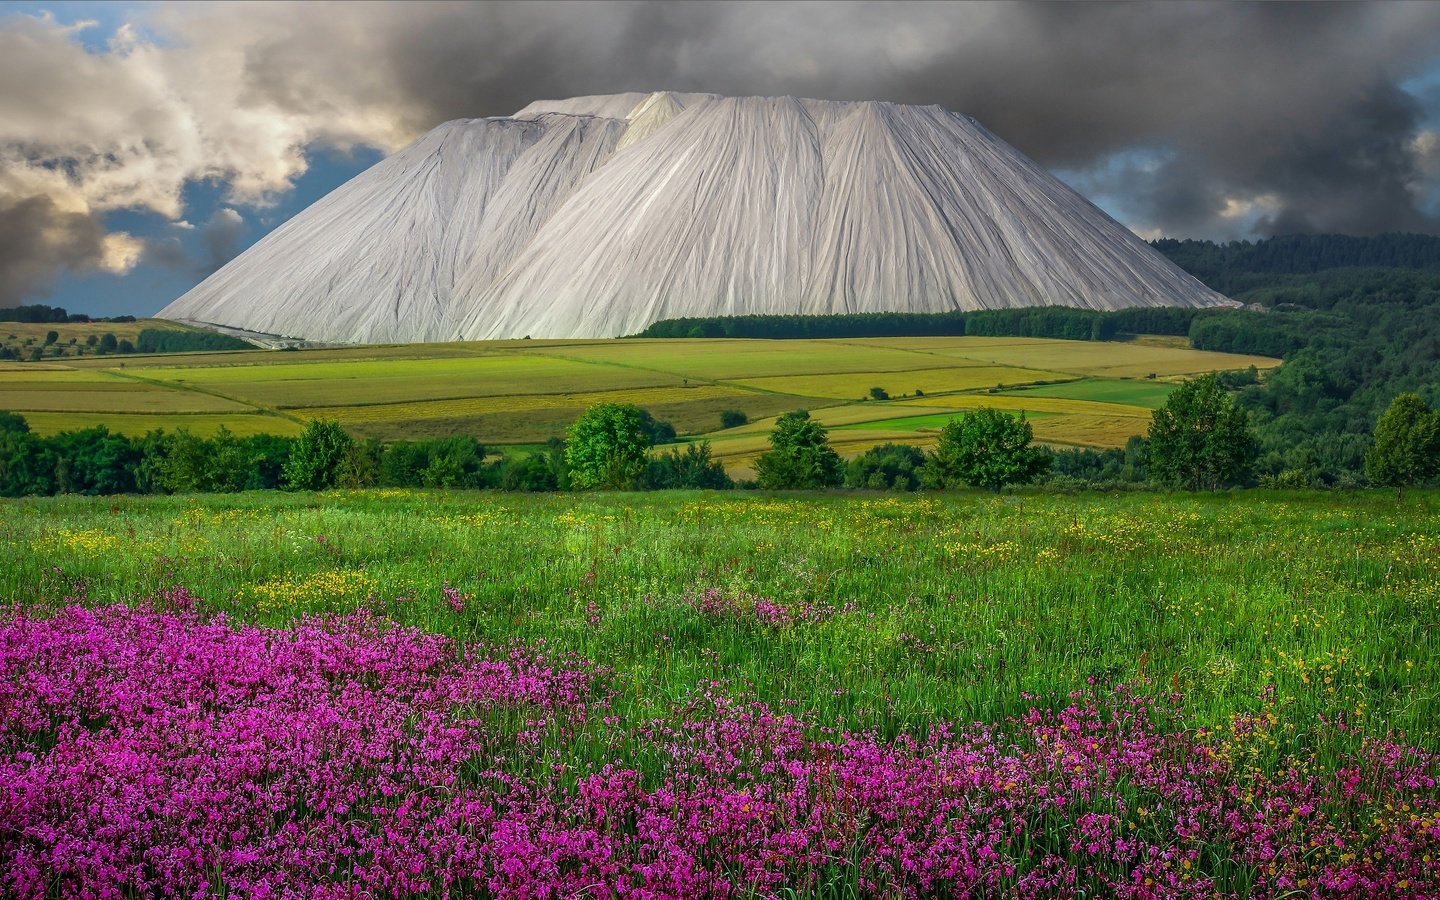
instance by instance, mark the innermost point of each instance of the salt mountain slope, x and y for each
(595, 216)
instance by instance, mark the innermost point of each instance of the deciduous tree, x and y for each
(605, 448)
(985, 448)
(1199, 439)
(800, 455)
(1406, 448)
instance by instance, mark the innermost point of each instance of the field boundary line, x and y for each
(196, 389)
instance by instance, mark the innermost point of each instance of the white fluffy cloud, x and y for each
(128, 127)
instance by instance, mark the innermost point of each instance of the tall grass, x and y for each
(893, 613)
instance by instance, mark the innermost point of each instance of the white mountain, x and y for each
(595, 216)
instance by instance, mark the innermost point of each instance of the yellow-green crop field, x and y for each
(524, 392)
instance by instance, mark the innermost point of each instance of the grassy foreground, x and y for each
(678, 695)
(900, 610)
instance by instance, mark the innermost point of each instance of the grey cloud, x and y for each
(37, 241)
(220, 239)
(1297, 103)
(168, 253)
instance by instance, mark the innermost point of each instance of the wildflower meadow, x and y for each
(397, 694)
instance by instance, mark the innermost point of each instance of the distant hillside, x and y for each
(50, 333)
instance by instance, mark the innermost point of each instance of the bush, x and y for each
(888, 467)
(657, 430)
(733, 418)
(689, 468)
(13, 423)
(800, 455)
(606, 447)
(402, 464)
(314, 463)
(534, 472)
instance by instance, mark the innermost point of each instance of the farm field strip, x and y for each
(733, 360)
(429, 409)
(139, 424)
(137, 398)
(45, 375)
(1098, 358)
(1078, 430)
(921, 423)
(1145, 393)
(855, 385)
(528, 391)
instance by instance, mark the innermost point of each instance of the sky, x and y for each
(143, 145)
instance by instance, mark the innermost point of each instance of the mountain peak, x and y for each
(595, 216)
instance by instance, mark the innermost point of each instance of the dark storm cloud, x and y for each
(1293, 109)
(37, 241)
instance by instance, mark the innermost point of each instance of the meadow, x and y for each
(525, 392)
(683, 694)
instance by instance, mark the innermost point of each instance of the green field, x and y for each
(525, 392)
(932, 422)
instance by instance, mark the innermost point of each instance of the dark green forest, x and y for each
(1357, 321)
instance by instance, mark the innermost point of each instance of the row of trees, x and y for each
(1199, 440)
(1063, 322)
(39, 313)
(98, 461)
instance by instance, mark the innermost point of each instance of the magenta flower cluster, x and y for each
(722, 604)
(162, 753)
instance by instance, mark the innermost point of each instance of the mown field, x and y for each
(525, 392)
(725, 695)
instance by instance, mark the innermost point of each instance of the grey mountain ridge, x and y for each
(596, 216)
